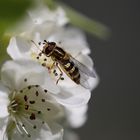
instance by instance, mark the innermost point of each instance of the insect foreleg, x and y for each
(61, 73)
(52, 66)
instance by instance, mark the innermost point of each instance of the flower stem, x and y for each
(87, 24)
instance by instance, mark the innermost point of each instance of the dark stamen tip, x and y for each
(37, 57)
(25, 80)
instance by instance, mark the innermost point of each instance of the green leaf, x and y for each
(85, 23)
(50, 3)
(11, 11)
(3, 46)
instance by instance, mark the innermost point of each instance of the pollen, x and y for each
(32, 117)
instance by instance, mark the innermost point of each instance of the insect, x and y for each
(75, 70)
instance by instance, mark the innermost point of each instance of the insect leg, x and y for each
(61, 73)
(52, 66)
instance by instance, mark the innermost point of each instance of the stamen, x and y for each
(13, 102)
(45, 59)
(54, 71)
(18, 128)
(45, 90)
(48, 109)
(32, 117)
(26, 107)
(34, 127)
(56, 74)
(25, 98)
(20, 124)
(29, 123)
(26, 131)
(32, 102)
(14, 105)
(62, 78)
(36, 85)
(36, 93)
(37, 57)
(39, 112)
(25, 80)
(21, 91)
(43, 100)
(29, 87)
(43, 64)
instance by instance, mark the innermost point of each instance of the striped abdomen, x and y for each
(71, 70)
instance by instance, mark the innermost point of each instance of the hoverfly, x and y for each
(75, 70)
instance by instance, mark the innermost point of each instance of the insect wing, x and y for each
(84, 69)
(85, 73)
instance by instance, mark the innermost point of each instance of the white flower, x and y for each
(27, 109)
(70, 135)
(73, 41)
(39, 28)
(40, 15)
(22, 87)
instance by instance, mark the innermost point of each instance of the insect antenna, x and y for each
(37, 48)
(36, 45)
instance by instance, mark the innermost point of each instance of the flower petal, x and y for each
(4, 101)
(18, 48)
(3, 123)
(20, 73)
(72, 40)
(70, 135)
(76, 117)
(42, 14)
(73, 97)
(42, 133)
(38, 120)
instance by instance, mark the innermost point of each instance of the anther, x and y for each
(37, 57)
(29, 87)
(48, 109)
(62, 78)
(37, 93)
(45, 90)
(34, 126)
(43, 100)
(25, 80)
(32, 102)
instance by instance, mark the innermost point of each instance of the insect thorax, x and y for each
(58, 53)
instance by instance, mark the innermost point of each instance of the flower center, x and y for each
(13, 107)
(31, 107)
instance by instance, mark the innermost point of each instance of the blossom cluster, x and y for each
(34, 104)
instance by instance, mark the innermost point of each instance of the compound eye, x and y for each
(52, 43)
(49, 49)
